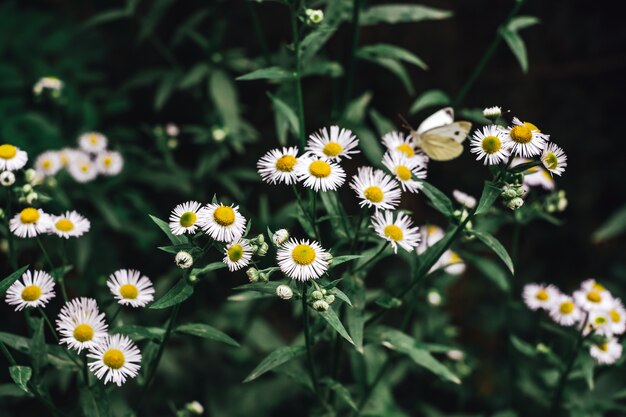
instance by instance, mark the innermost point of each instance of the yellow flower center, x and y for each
(107, 161)
(567, 307)
(532, 127)
(455, 258)
(542, 295)
(403, 173)
(113, 358)
(224, 215)
(393, 232)
(615, 316)
(235, 252)
(319, 169)
(594, 296)
(374, 194)
(7, 151)
(83, 333)
(600, 320)
(431, 229)
(93, 139)
(286, 163)
(84, 168)
(491, 144)
(551, 160)
(129, 291)
(604, 346)
(31, 293)
(303, 254)
(406, 149)
(598, 287)
(46, 164)
(188, 219)
(332, 149)
(521, 134)
(29, 215)
(64, 225)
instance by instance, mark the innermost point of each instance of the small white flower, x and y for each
(539, 296)
(109, 163)
(399, 142)
(130, 288)
(455, 355)
(618, 317)
(48, 83)
(116, 358)
(319, 174)
(7, 178)
(67, 155)
(314, 16)
(93, 142)
(490, 144)
(48, 163)
(525, 139)
(405, 169)
(237, 255)
(464, 199)
(492, 112)
(554, 159)
(222, 223)
(376, 189)
(593, 296)
(184, 218)
(284, 292)
(280, 236)
(430, 234)
(451, 263)
(321, 305)
(564, 311)
(30, 222)
(535, 176)
(71, 224)
(434, 298)
(80, 324)
(183, 259)
(12, 158)
(398, 232)
(599, 322)
(82, 168)
(302, 260)
(195, 407)
(172, 130)
(606, 353)
(278, 166)
(33, 290)
(340, 143)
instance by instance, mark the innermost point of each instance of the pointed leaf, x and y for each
(516, 44)
(331, 318)
(429, 98)
(21, 375)
(207, 332)
(270, 73)
(383, 50)
(489, 196)
(495, 245)
(8, 281)
(400, 13)
(176, 295)
(276, 358)
(175, 239)
(438, 199)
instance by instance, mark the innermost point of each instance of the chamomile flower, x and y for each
(82, 168)
(554, 159)
(67, 155)
(398, 142)
(451, 263)
(376, 189)
(398, 232)
(48, 163)
(405, 169)
(184, 218)
(30, 222)
(109, 163)
(340, 143)
(237, 254)
(33, 290)
(278, 166)
(539, 296)
(116, 359)
(80, 324)
(525, 139)
(430, 234)
(490, 145)
(599, 322)
(617, 313)
(564, 311)
(93, 142)
(464, 199)
(222, 223)
(70, 224)
(129, 287)
(12, 158)
(593, 296)
(302, 260)
(320, 174)
(607, 352)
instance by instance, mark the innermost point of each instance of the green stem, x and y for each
(354, 43)
(85, 369)
(7, 216)
(60, 278)
(370, 260)
(298, 76)
(308, 341)
(486, 57)
(117, 312)
(258, 30)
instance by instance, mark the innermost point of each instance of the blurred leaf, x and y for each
(372, 149)
(224, 96)
(382, 124)
(283, 110)
(355, 316)
(165, 90)
(12, 390)
(331, 318)
(262, 287)
(395, 67)
(488, 197)
(151, 19)
(521, 22)
(430, 98)
(355, 111)
(587, 367)
(490, 269)
(341, 391)
(274, 359)
(175, 239)
(270, 73)
(111, 15)
(137, 332)
(516, 44)
(523, 347)
(614, 226)
(21, 375)
(206, 332)
(195, 75)
(176, 295)
(38, 352)
(8, 281)
(94, 401)
(401, 13)
(383, 50)
(497, 247)
(342, 259)
(323, 68)
(387, 301)
(438, 199)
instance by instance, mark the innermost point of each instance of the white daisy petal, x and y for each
(525, 139)
(30, 222)
(129, 287)
(320, 174)
(70, 224)
(564, 311)
(554, 159)
(302, 260)
(116, 359)
(490, 144)
(405, 170)
(539, 296)
(33, 290)
(81, 167)
(464, 199)
(237, 254)
(606, 353)
(184, 218)
(339, 143)
(376, 189)
(278, 166)
(48, 163)
(222, 223)
(398, 232)
(93, 142)
(12, 158)
(80, 324)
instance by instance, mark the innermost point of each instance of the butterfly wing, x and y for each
(440, 118)
(440, 148)
(457, 131)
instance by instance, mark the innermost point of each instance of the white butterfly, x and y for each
(440, 137)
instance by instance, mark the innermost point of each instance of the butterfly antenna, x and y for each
(405, 124)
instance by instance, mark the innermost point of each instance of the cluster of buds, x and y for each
(263, 275)
(259, 246)
(167, 135)
(556, 202)
(513, 192)
(323, 299)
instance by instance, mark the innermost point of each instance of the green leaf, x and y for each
(206, 332)
(224, 96)
(383, 50)
(383, 125)
(331, 318)
(165, 90)
(355, 112)
(587, 368)
(355, 316)
(283, 110)
(396, 68)
(488, 197)
(323, 68)
(523, 347)
(429, 98)
(276, 358)
(262, 287)
(490, 269)
(370, 144)
(342, 259)
(176, 240)
(521, 22)
(401, 13)
(213, 266)
(614, 226)
(270, 73)
(38, 352)
(388, 302)
(516, 44)
(12, 390)
(341, 391)
(94, 401)
(137, 332)
(438, 199)
(176, 295)
(21, 375)
(8, 281)
(495, 245)
(195, 75)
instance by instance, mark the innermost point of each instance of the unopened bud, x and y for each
(253, 274)
(30, 174)
(284, 292)
(515, 203)
(183, 259)
(280, 236)
(7, 178)
(262, 250)
(314, 16)
(31, 197)
(195, 407)
(492, 112)
(317, 295)
(320, 305)
(329, 298)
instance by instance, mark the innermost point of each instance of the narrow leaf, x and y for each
(401, 13)
(489, 196)
(206, 332)
(21, 375)
(176, 295)
(276, 358)
(8, 281)
(270, 73)
(438, 199)
(331, 318)
(176, 240)
(516, 44)
(495, 245)
(383, 50)
(429, 98)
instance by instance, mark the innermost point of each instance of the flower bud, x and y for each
(219, 134)
(193, 279)
(1, 214)
(264, 276)
(515, 203)
(31, 197)
(27, 188)
(317, 295)
(253, 274)
(284, 292)
(320, 305)
(172, 130)
(195, 407)
(262, 250)
(509, 191)
(314, 16)
(7, 178)
(30, 174)
(492, 112)
(456, 355)
(172, 143)
(183, 259)
(280, 236)
(434, 298)
(329, 298)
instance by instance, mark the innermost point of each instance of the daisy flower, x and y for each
(30, 222)
(80, 324)
(398, 232)
(222, 223)
(238, 254)
(12, 158)
(452, 263)
(554, 159)
(116, 358)
(564, 311)
(618, 317)
(71, 224)
(130, 288)
(464, 199)
(525, 139)
(405, 169)
(82, 168)
(593, 296)
(184, 218)
(67, 155)
(109, 162)
(606, 353)
(278, 166)
(490, 144)
(538, 296)
(599, 322)
(302, 260)
(430, 234)
(340, 143)
(376, 189)
(48, 163)
(92, 142)
(34, 290)
(318, 174)
(535, 176)
(398, 142)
